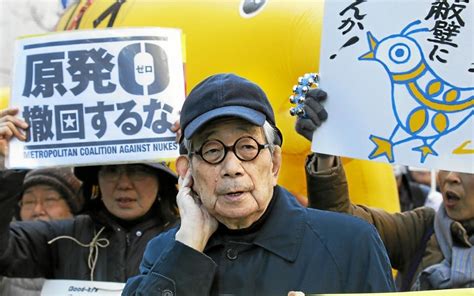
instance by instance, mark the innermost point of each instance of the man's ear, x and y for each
(182, 165)
(276, 160)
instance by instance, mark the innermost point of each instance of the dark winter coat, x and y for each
(91, 246)
(294, 248)
(25, 252)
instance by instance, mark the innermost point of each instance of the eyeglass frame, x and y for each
(147, 172)
(260, 147)
(45, 202)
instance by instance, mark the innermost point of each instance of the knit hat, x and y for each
(62, 180)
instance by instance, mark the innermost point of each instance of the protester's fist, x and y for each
(314, 113)
(10, 126)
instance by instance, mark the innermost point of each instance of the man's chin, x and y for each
(238, 220)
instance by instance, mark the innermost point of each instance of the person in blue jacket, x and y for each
(241, 233)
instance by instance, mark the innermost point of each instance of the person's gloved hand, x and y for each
(314, 111)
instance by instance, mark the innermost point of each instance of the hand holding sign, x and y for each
(10, 126)
(119, 106)
(314, 113)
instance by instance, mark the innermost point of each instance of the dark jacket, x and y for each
(412, 195)
(25, 252)
(294, 248)
(93, 246)
(11, 182)
(408, 236)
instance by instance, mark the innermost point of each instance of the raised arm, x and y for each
(328, 190)
(23, 245)
(10, 126)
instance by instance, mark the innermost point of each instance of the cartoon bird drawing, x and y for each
(425, 106)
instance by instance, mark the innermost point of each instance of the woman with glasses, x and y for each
(46, 194)
(125, 206)
(49, 194)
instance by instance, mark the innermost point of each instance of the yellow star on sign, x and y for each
(425, 151)
(384, 147)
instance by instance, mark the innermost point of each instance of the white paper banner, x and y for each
(97, 96)
(400, 81)
(81, 288)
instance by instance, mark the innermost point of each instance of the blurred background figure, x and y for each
(413, 194)
(49, 194)
(43, 194)
(420, 175)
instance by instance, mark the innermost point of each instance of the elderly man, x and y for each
(241, 233)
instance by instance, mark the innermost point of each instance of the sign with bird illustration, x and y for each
(400, 82)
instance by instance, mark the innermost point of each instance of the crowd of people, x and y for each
(96, 233)
(222, 224)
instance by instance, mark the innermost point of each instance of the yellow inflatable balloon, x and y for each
(4, 97)
(269, 42)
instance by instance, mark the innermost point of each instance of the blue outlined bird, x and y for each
(425, 106)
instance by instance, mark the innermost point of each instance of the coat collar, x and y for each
(283, 230)
(461, 235)
(104, 218)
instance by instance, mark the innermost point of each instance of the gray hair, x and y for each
(268, 131)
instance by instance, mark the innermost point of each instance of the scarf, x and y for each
(457, 268)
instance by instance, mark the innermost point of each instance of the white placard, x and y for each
(97, 96)
(400, 80)
(81, 288)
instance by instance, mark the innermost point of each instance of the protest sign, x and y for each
(400, 79)
(97, 96)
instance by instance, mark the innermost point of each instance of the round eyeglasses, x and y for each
(244, 148)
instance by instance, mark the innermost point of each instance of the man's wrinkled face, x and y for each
(234, 191)
(458, 194)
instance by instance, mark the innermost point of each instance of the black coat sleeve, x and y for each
(171, 267)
